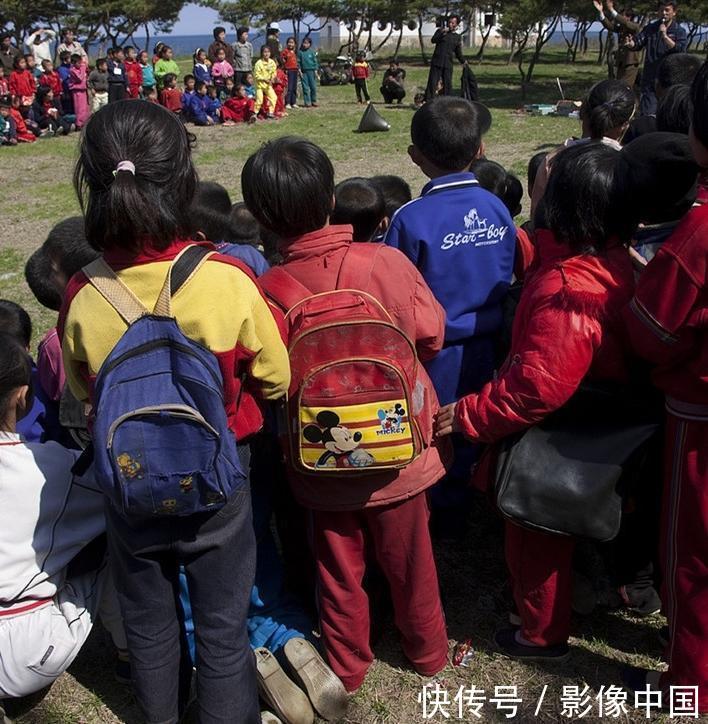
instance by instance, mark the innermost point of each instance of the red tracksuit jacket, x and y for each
(22, 83)
(567, 327)
(53, 81)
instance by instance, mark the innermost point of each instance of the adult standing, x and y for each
(392, 85)
(659, 38)
(626, 59)
(448, 44)
(243, 55)
(220, 44)
(8, 53)
(71, 45)
(39, 44)
(273, 41)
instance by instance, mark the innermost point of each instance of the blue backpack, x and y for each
(162, 444)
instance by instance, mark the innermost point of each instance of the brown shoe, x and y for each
(326, 691)
(279, 692)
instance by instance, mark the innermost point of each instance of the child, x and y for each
(497, 180)
(53, 574)
(50, 78)
(229, 88)
(288, 186)
(77, 86)
(360, 73)
(249, 85)
(22, 84)
(133, 73)
(32, 66)
(4, 85)
(148, 72)
(221, 70)
(213, 107)
(280, 86)
(197, 106)
(139, 222)
(243, 55)
(665, 321)
(22, 132)
(156, 52)
(462, 239)
(170, 96)
(309, 65)
(48, 113)
(202, 67)
(359, 202)
(165, 65)
(64, 70)
(151, 95)
(239, 109)
(289, 64)
(117, 79)
(8, 127)
(265, 74)
(98, 85)
(559, 339)
(189, 84)
(396, 193)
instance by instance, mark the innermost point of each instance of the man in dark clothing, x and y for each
(273, 41)
(448, 43)
(392, 85)
(626, 59)
(219, 43)
(660, 38)
(8, 53)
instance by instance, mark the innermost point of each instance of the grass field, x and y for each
(36, 192)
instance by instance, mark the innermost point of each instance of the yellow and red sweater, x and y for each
(221, 307)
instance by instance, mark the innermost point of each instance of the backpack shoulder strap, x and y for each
(184, 266)
(114, 291)
(283, 288)
(357, 266)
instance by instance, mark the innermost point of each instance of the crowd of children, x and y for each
(388, 322)
(225, 85)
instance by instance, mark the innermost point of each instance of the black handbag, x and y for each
(566, 475)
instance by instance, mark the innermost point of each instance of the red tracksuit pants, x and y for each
(685, 552)
(398, 534)
(541, 571)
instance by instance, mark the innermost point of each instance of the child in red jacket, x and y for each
(24, 135)
(50, 78)
(288, 59)
(239, 109)
(170, 96)
(133, 73)
(288, 185)
(360, 73)
(22, 84)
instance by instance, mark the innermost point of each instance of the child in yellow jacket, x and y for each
(265, 71)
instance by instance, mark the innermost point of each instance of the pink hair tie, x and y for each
(125, 166)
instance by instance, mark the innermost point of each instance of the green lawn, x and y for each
(37, 192)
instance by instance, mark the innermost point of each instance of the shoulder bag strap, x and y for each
(357, 266)
(283, 288)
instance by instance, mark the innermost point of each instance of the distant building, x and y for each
(336, 34)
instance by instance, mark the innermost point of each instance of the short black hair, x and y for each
(609, 104)
(15, 370)
(395, 190)
(38, 275)
(213, 224)
(101, 60)
(218, 30)
(675, 109)
(245, 225)
(448, 132)
(199, 85)
(15, 321)
(359, 202)
(673, 4)
(243, 29)
(68, 246)
(42, 92)
(187, 77)
(580, 205)
(64, 55)
(493, 177)
(699, 98)
(678, 69)
(535, 163)
(131, 211)
(288, 185)
(214, 196)
(169, 77)
(75, 57)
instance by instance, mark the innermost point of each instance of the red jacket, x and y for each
(567, 327)
(22, 83)
(289, 58)
(667, 320)
(171, 98)
(237, 109)
(53, 81)
(360, 70)
(314, 260)
(134, 76)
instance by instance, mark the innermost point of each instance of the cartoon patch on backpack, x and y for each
(391, 420)
(340, 443)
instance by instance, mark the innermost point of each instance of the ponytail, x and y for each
(15, 371)
(609, 105)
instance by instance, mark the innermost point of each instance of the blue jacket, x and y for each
(656, 49)
(148, 76)
(202, 72)
(248, 255)
(197, 108)
(116, 73)
(462, 239)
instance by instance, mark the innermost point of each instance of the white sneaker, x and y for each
(287, 105)
(295, 105)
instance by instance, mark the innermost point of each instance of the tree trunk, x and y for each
(423, 54)
(398, 43)
(147, 36)
(385, 40)
(485, 37)
(601, 53)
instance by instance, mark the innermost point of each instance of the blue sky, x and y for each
(195, 20)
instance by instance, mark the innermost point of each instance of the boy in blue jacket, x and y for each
(199, 107)
(462, 239)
